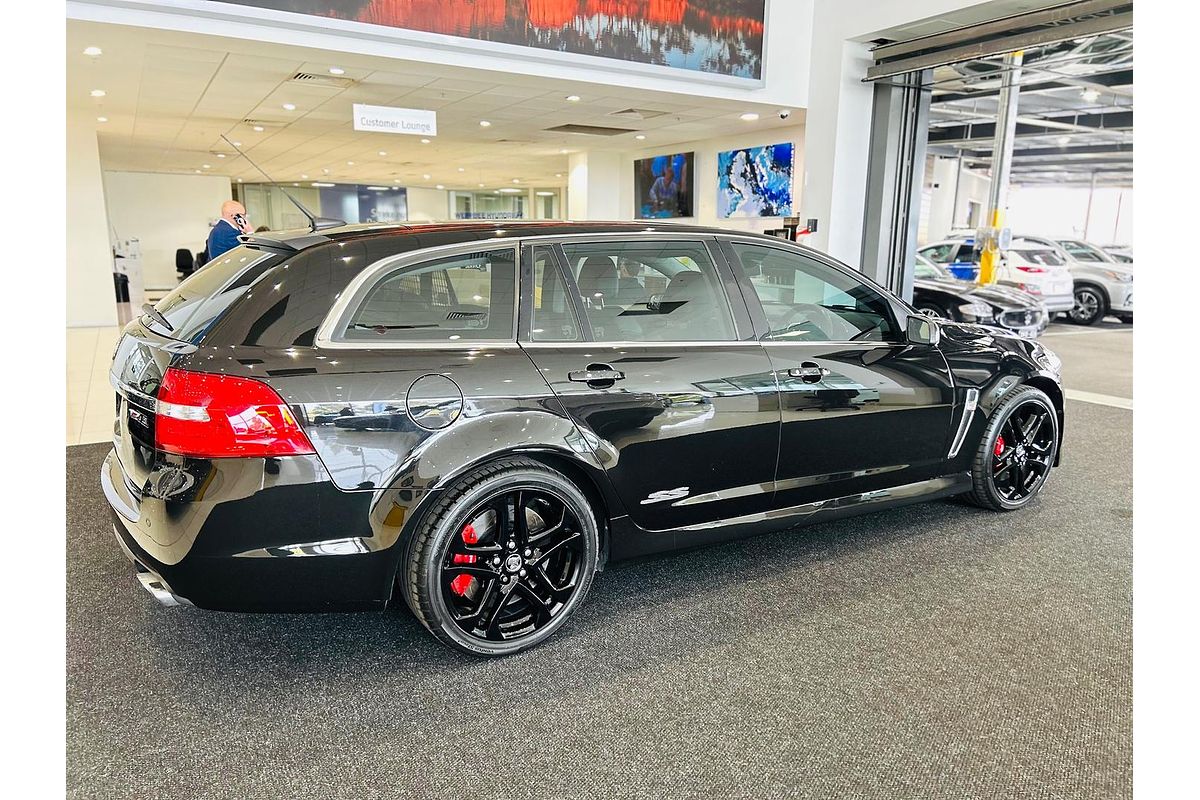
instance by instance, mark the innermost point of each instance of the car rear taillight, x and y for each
(1029, 268)
(204, 415)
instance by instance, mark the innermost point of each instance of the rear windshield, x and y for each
(1046, 258)
(200, 300)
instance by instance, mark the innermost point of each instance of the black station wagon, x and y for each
(476, 417)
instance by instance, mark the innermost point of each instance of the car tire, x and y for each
(540, 578)
(929, 305)
(1012, 464)
(1090, 305)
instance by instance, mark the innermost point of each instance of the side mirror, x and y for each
(923, 330)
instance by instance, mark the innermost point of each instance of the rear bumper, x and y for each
(249, 553)
(1055, 303)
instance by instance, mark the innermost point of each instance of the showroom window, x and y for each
(807, 301)
(465, 297)
(650, 291)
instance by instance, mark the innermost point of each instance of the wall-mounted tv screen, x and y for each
(755, 182)
(663, 186)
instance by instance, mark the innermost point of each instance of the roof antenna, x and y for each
(316, 223)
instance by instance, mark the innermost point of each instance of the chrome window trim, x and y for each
(596, 345)
(365, 280)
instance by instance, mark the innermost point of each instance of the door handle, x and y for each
(808, 372)
(598, 376)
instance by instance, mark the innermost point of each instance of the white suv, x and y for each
(1103, 283)
(1027, 265)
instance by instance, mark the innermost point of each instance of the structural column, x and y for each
(90, 297)
(1002, 155)
(594, 186)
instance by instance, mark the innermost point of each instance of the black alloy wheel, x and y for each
(1017, 451)
(509, 553)
(1090, 306)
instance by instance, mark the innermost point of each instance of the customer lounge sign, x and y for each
(385, 119)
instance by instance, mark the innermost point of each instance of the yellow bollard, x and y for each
(987, 265)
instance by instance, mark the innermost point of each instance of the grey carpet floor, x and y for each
(938, 651)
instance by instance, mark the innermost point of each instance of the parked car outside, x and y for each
(1103, 285)
(1029, 267)
(938, 292)
(472, 419)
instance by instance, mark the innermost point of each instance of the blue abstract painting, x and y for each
(755, 182)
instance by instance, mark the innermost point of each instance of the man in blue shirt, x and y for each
(232, 224)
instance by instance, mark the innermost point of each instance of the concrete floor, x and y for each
(937, 651)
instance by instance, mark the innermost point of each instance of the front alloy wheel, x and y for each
(1089, 306)
(509, 553)
(1017, 451)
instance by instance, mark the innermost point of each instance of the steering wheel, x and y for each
(799, 319)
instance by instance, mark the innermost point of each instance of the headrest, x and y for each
(685, 286)
(598, 275)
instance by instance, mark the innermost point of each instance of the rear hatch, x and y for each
(150, 343)
(1043, 267)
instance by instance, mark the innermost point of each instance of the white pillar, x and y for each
(594, 186)
(90, 297)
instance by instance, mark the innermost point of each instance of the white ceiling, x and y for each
(170, 96)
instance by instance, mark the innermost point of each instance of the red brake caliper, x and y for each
(462, 583)
(998, 450)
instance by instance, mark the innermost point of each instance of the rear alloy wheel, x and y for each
(1090, 306)
(928, 307)
(503, 558)
(1017, 451)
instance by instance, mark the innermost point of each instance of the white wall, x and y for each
(428, 205)
(705, 177)
(944, 214)
(90, 296)
(165, 212)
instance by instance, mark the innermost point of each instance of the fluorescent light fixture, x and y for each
(377, 188)
(93, 51)
(509, 190)
(336, 71)
(573, 98)
(321, 183)
(1063, 141)
(289, 106)
(749, 116)
(483, 123)
(98, 93)
(545, 194)
(101, 119)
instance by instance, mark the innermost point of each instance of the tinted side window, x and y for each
(462, 297)
(650, 291)
(194, 305)
(807, 301)
(940, 254)
(553, 318)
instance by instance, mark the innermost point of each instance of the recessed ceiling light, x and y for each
(239, 180)
(426, 176)
(349, 163)
(749, 116)
(483, 123)
(516, 180)
(383, 152)
(462, 169)
(558, 174)
(573, 98)
(295, 184)
(197, 172)
(220, 155)
(481, 186)
(98, 93)
(564, 151)
(424, 141)
(258, 128)
(206, 166)
(336, 71)
(93, 51)
(1090, 95)
(303, 177)
(640, 136)
(237, 144)
(101, 119)
(439, 186)
(289, 106)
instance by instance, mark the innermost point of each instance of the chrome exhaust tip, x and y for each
(159, 590)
